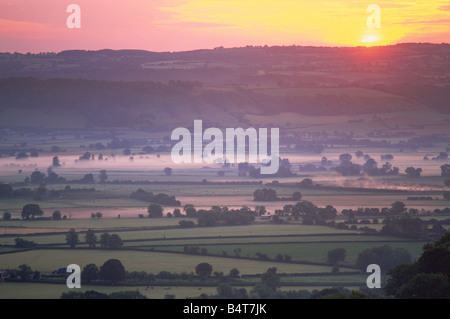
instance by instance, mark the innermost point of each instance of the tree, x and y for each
(103, 176)
(85, 157)
(91, 238)
(89, 273)
(55, 162)
(168, 171)
(347, 168)
(413, 172)
(24, 272)
(177, 213)
(428, 277)
(297, 196)
(265, 194)
(336, 255)
(398, 208)
(115, 242)
(426, 286)
(155, 211)
(345, 157)
(72, 238)
(446, 195)
(37, 177)
(445, 170)
(405, 227)
(190, 210)
(104, 240)
(271, 279)
(113, 271)
(6, 216)
(22, 243)
(31, 210)
(88, 179)
(98, 215)
(435, 257)
(6, 190)
(234, 273)
(56, 215)
(203, 270)
(306, 183)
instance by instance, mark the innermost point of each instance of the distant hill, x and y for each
(132, 88)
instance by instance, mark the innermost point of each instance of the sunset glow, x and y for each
(163, 25)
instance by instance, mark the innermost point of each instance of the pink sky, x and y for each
(177, 25)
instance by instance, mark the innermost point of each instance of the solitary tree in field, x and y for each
(72, 238)
(155, 211)
(6, 216)
(336, 255)
(203, 270)
(31, 210)
(56, 215)
(55, 162)
(24, 272)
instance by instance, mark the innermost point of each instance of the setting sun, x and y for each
(370, 39)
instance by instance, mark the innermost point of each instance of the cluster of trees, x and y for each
(385, 256)
(111, 271)
(162, 199)
(397, 208)
(427, 278)
(405, 227)
(224, 216)
(370, 167)
(40, 178)
(269, 194)
(106, 241)
(22, 243)
(308, 211)
(445, 170)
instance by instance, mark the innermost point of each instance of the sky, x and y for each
(181, 25)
